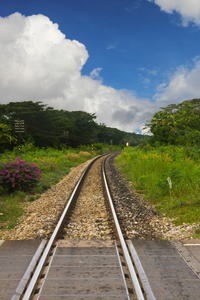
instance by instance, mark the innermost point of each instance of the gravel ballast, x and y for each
(136, 216)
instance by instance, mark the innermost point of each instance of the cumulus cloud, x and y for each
(34, 60)
(120, 109)
(183, 85)
(188, 9)
(38, 63)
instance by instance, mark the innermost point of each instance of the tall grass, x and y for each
(149, 169)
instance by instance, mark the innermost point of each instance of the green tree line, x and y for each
(48, 127)
(177, 124)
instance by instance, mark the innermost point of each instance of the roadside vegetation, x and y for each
(28, 171)
(50, 142)
(166, 168)
(169, 177)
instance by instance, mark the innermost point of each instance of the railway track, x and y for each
(89, 218)
(86, 257)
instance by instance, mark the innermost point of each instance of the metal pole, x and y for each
(19, 132)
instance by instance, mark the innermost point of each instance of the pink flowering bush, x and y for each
(19, 175)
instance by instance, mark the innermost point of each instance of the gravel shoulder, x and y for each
(135, 214)
(42, 215)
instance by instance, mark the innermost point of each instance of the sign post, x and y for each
(19, 127)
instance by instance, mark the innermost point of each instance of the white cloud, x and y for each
(120, 109)
(146, 81)
(183, 85)
(150, 72)
(145, 130)
(95, 74)
(145, 73)
(112, 45)
(188, 9)
(38, 63)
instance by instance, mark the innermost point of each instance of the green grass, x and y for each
(11, 209)
(54, 163)
(148, 170)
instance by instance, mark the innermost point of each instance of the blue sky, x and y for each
(133, 56)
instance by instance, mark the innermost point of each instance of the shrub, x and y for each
(85, 154)
(98, 146)
(19, 175)
(72, 157)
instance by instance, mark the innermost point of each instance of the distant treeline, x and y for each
(45, 126)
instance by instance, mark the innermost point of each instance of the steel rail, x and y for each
(145, 282)
(129, 263)
(30, 270)
(32, 285)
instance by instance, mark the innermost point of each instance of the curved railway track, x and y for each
(88, 216)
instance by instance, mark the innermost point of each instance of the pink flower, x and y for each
(28, 176)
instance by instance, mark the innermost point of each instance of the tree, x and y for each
(5, 134)
(40, 121)
(47, 127)
(177, 123)
(84, 128)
